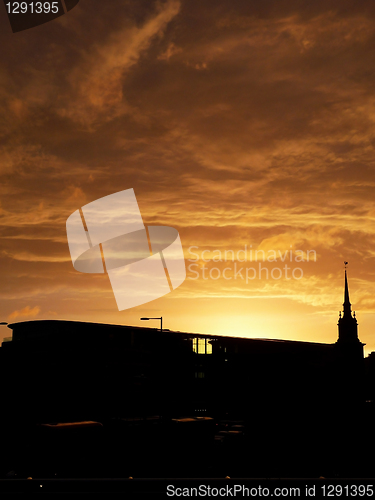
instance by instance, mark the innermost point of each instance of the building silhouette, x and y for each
(219, 404)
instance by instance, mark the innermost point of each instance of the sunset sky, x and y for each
(244, 124)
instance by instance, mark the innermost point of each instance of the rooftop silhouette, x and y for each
(219, 397)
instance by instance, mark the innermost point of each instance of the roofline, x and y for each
(188, 335)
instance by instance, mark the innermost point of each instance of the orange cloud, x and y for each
(171, 51)
(26, 312)
(99, 78)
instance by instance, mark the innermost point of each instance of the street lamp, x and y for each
(161, 321)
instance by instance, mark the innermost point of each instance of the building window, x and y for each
(202, 346)
(194, 345)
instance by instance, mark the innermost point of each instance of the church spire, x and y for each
(347, 305)
(348, 326)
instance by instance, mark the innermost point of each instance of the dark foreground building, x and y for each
(106, 400)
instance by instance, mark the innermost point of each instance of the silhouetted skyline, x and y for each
(239, 124)
(217, 405)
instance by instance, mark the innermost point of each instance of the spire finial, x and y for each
(346, 304)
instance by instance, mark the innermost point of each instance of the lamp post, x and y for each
(161, 321)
